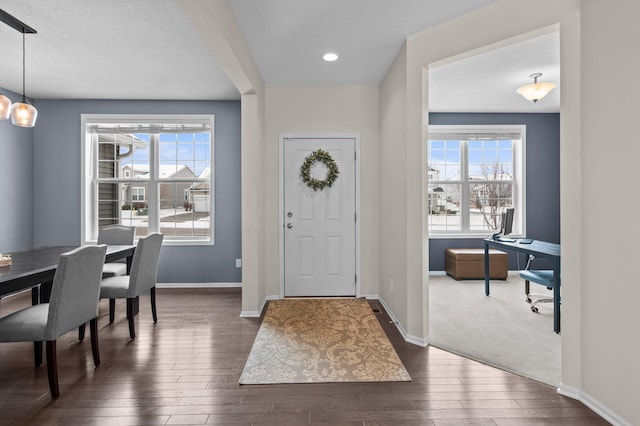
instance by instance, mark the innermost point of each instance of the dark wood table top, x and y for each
(32, 267)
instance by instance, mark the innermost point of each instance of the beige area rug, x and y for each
(321, 340)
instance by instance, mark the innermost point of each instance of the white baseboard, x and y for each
(258, 313)
(198, 285)
(599, 408)
(407, 337)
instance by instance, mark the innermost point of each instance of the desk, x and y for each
(36, 268)
(540, 249)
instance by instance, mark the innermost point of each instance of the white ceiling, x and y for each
(147, 49)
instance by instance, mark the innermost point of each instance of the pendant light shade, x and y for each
(535, 91)
(24, 114)
(5, 107)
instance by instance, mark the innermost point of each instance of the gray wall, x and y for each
(16, 181)
(56, 183)
(542, 180)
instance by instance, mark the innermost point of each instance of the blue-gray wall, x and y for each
(56, 183)
(16, 181)
(542, 180)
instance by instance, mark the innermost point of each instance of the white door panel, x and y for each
(319, 231)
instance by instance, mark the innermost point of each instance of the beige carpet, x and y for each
(321, 340)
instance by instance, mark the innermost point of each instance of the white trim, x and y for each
(519, 180)
(258, 313)
(89, 161)
(407, 337)
(199, 285)
(356, 138)
(599, 408)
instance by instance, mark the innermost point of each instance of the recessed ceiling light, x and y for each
(330, 57)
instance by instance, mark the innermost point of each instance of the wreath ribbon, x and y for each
(325, 158)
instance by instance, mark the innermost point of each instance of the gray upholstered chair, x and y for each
(116, 235)
(75, 294)
(142, 279)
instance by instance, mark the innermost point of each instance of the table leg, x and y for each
(486, 268)
(45, 291)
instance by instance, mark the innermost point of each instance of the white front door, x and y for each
(319, 226)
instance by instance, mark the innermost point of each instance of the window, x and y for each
(137, 193)
(151, 172)
(474, 174)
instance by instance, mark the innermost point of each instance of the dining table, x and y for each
(34, 269)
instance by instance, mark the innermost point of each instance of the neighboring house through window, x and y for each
(474, 173)
(151, 172)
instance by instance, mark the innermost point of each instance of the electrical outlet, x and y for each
(238, 263)
(391, 285)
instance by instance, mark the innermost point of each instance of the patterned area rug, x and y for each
(321, 340)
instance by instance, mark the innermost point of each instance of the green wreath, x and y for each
(324, 158)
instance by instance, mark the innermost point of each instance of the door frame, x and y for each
(281, 220)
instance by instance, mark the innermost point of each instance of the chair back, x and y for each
(144, 267)
(75, 291)
(115, 235)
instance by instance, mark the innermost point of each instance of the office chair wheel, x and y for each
(534, 309)
(528, 300)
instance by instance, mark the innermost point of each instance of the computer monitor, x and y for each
(506, 225)
(507, 221)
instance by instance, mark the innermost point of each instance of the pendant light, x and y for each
(5, 107)
(23, 114)
(535, 91)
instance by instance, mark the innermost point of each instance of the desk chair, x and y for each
(542, 277)
(115, 235)
(74, 301)
(144, 270)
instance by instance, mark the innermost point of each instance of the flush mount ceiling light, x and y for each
(330, 57)
(535, 91)
(23, 114)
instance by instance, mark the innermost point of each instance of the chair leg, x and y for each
(153, 304)
(112, 310)
(81, 331)
(37, 353)
(52, 369)
(131, 316)
(526, 290)
(93, 327)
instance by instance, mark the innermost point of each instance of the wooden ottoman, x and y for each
(468, 263)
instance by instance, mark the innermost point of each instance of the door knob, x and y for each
(289, 225)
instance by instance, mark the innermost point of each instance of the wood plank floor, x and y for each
(185, 370)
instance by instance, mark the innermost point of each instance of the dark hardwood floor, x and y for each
(185, 370)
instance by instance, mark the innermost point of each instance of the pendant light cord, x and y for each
(23, 68)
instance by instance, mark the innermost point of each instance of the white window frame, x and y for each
(138, 190)
(88, 157)
(519, 181)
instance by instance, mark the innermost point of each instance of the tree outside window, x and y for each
(474, 174)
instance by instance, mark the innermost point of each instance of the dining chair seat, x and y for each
(114, 269)
(25, 325)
